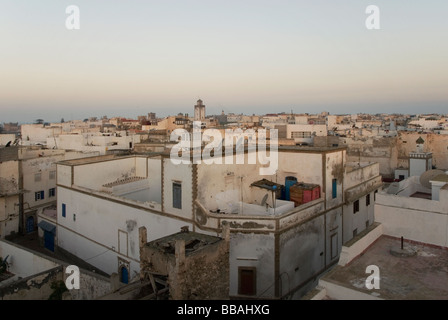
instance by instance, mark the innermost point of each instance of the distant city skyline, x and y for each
(251, 57)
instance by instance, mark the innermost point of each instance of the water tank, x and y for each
(289, 181)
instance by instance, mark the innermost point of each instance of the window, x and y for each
(374, 195)
(368, 200)
(247, 281)
(51, 192)
(37, 177)
(52, 175)
(334, 190)
(177, 195)
(64, 212)
(355, 232)
(300, 134)
(356, 206)
(39, 195)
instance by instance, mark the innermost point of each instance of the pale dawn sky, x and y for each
(133, 57)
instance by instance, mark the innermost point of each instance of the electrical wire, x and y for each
(97, 255)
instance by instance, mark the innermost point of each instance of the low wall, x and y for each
(360, 243)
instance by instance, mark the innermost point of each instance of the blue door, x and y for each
(29, 224)
(124, 275)
(49, 240)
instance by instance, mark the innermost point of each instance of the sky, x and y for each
(248, 56)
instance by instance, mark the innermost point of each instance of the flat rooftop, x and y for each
(421, 195)
(423, 276)
(193, 241)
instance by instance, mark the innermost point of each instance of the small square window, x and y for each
(37, 177)
(52, 175)
(52, 192)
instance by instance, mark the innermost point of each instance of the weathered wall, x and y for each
(9, 199)
(5, 138)
(253, 250)
(357, 174)
(155, 178)
(91, 286)
(415, 219)
(334, 169)
(35, 287)
(190, 276)
(302, 254)
(359, 244)
(24, 263)
(393, 152)
(38, 133)
(9, 215)
(95, 234)
(235, 181)
(94, 175)
(208, 265)
(42, 166)
(358, 220)
(181, 173)
(383, 150)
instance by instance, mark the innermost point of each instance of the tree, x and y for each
(58, 289)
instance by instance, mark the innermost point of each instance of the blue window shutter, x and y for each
(334, 188)
(63, 210)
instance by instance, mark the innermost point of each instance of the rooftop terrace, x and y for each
(423, 276)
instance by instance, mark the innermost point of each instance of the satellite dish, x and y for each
(428, 176)
(263, 201)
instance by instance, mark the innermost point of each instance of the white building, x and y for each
(38, 178)
(407, 244)
(305, 133)
(10, 191)
(103, 143)
(276, 248)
